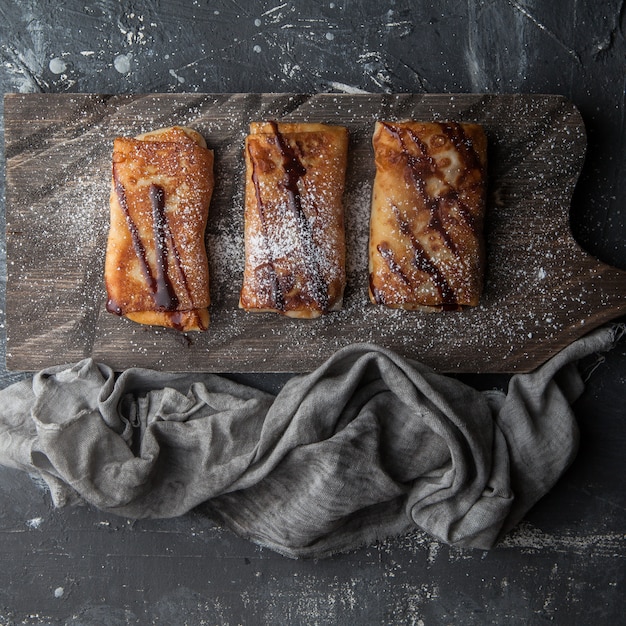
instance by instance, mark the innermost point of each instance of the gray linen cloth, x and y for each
(367, 446)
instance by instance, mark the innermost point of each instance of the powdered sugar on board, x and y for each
(541, 290)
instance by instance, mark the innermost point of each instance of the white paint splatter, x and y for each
(57, 66)
(344, 88)
(122, 63)
(290, 70)
(274, 9)
(134, 33)
(433, 551)
(180, 79)
(376, 69)
(528, 537)
(87, 53)
(25, 64)
(34, 523)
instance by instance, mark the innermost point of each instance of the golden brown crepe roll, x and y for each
(156, 268)
(426, 247)
(294, 222)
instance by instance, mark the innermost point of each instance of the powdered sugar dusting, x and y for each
(540, 287)
(294, 242)
(357, 216)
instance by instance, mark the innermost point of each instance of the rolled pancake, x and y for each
(156, 268)
(426, 248)
(294, 221)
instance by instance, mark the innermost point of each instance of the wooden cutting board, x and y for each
(542, 291)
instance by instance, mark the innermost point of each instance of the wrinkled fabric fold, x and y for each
(367, 446)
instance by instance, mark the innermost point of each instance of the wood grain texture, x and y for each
(542, 290)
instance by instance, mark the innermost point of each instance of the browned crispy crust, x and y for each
(156, 269)
(426, 247)
(294, 222)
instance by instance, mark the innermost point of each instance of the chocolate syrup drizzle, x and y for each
(419, 168)
(277, 294)
(140, 250)
(424, 263)
(387, 253)
(164, 295)
(294, 171)
(161, 288)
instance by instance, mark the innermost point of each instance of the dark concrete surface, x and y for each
(566, 563)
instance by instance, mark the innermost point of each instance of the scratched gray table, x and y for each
(565, 563)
